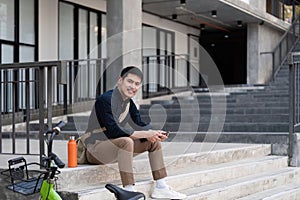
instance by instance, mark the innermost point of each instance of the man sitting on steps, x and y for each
(121, 134)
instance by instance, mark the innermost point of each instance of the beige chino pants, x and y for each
(122, 150)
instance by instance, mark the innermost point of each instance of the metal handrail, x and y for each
(29, 65)
(42, 85)
(24, 83)
(181, 55)
(84, 60)
(26, 88)
(279, 52)
(294, 109)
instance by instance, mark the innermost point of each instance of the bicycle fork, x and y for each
(47, 190)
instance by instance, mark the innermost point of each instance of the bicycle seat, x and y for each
(121, 194)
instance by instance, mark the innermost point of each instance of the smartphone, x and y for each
(166, 133)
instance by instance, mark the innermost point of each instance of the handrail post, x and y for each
(49, 96)
(293, 153)
(1, 110)
(62, 79)
(41, 109)
(273, 64)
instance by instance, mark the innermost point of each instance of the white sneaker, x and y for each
(166, 193)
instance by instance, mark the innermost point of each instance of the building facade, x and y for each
(167, 38)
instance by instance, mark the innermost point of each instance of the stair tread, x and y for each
(252, 179)
(248, 108)
(224, 152)
(194, 172)
(275, 193)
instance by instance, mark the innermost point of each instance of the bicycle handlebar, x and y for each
(57, 160)
(50, 136)
(57, 128)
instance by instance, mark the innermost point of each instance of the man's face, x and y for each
(129, 85)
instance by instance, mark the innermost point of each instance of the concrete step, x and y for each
(207, 110)
(178, 157)
(231, 118)
(222, 105)
(201, 176)
(231, 137)
(247, 109)
(226, 127)
(198, 176)
(241, 187)
(289, 191)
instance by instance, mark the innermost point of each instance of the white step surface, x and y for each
(288, 191)
(203, 185)
(243, 170)
(245, 186)
(178, 156)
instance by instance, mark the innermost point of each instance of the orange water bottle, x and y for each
(72, 152)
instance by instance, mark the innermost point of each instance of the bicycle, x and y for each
(44, 183)
(51, 163)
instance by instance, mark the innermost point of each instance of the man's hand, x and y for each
(157, 135)
(151, 135)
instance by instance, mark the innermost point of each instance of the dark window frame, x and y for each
(89, 10)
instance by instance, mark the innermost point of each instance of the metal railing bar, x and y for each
(297, 93)
(291, 106)
(0, 113)
(88, 78)
(41, 110)
(70, 83)
(30, 65)
(84, 60)
(65, 99)
(49, 96)
(171, 55)
(20, 81)
(20, 154)
(295, 54)
(27, 93)
(13, 119)
(296, 125)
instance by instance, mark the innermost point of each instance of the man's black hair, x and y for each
(131, 70)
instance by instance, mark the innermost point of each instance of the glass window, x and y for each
(24, 29)
(157, 66)
(169, 44)
(7, 57)
(79, 38)
(26, 54)
(162, 42)
(7, 54)
(93, 36)
(149, 41)
(7, 19)
(83, 33)
(27, 22)
(103, 36)
(66, 31)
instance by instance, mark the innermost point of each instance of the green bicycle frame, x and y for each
(47, 191)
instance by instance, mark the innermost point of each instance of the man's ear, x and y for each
(120, 80)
